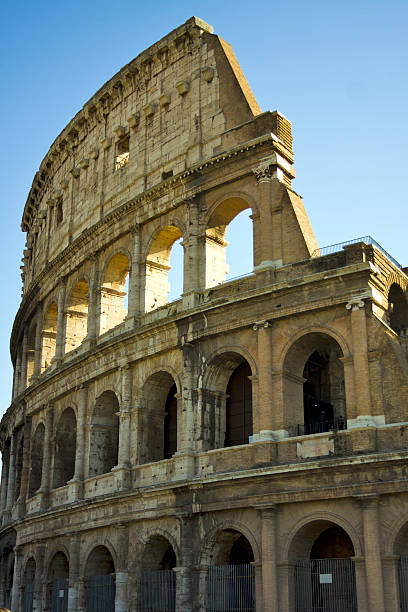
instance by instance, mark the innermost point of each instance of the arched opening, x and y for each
(104, 435)
(227, 402)
(113, 293)
(158, 267)
(58, 575)
(324, 574)
(397, 309)
(401, 549)
(77, 316)
(159, 418)
(314, 389)
(158, 580)
(7, 577)
(229, 238)
(28, 586)
(19, 463)
(65, 449)
(49, 336)
(231, 580)
(99, 580)
(238, 422)
(36, 460)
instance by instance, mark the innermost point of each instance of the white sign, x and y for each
(61, 593)
(325, 578)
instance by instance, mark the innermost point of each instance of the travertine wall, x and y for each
(108, 375)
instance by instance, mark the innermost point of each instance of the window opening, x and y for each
(59, 212)
(122, 153)
(176, 271)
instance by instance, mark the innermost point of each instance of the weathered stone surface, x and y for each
(260, 421)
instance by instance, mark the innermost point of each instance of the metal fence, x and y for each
(336, 248)
(325, 585)
(158, 591)
(101, 592)
(28, 598)
(58, 595)
(230, 588)
(403, 582)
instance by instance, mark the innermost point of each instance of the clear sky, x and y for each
(337, 70)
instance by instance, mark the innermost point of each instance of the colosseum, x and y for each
(241, 448)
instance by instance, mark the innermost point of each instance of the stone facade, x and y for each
(254, 426)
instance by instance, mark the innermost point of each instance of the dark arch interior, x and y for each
(170, 424)
(397, 309)
(333, 543)
(169, 559)
(323, 386)
(100, 562)
(241, 552)
(239, 406)
(232, 548)
(59, 567)
(65, 446)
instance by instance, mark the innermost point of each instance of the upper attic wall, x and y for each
(173, 100)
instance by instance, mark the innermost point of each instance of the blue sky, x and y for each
(338, 71)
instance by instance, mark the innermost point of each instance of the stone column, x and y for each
(78, 478)
(93, 310)
(11, 476)
(17, 373)
(136, 298)
(269, 574)
(264, 418)
(286, 572)
(189, 395)
(16, 597)
(38, 345)
(60, 339)
(260, 604)
(194, 257)
(185, 594)
(25, 472)
(4, 476)
(73, 582)
(361, 585)
(38, 604)
(391, 582)
(121, 597)
(23, 378)
(46, 465)
(124, 416)
(372, 550)
(360, 362)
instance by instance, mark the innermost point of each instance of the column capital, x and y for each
(261, 325)
(369, 500)
(267, 509)
(356, 302)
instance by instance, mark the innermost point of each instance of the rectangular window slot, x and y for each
(122, 153)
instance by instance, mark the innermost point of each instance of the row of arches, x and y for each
(322, 554)
(314, 388)
(164, 280)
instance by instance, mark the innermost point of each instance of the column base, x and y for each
(184, 464)
(366, 420)
(76, 489)
(266, 435)
(123, 480)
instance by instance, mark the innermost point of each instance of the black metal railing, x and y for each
(230, 588)
(336, 248)
(327, 585)
(158, 591)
